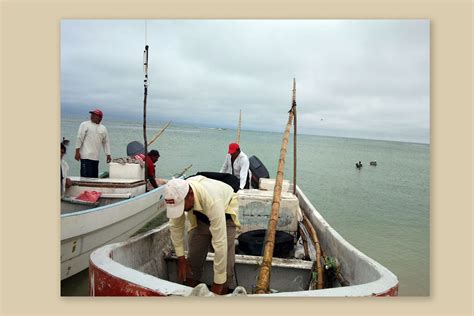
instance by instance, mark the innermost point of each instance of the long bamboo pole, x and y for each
(159, 133)
(179, 174)
(237, 140)
(263, 280)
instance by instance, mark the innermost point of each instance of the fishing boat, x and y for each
(123, 208)
(322, 264)
(146, 265)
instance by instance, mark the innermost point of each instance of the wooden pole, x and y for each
(237, 140)
(179, 174)
(263, 280)
(159, 133)
(294, 137)
(145, 85)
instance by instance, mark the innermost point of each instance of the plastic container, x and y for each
(251, 243)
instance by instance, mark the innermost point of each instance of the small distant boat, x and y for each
(358, 165)
(373, 163)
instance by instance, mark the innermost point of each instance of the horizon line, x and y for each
(123, 120)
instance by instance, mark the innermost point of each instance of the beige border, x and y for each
(30, 133)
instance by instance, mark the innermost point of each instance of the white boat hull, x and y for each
(129, 268)
(84, 231)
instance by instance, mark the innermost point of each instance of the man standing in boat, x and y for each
(90, 137)
(211, 208)
(237, 163)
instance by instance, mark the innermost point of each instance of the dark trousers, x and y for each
(200, 239)
(247, 183)
(89, 168)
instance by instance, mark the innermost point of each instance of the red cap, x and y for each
(233, 148)
(97, 112)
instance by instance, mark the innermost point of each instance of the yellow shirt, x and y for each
(214, 199)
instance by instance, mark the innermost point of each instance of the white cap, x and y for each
(175, 193)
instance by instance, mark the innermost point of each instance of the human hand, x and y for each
(219, 289)
(78, 155)
(109, 158)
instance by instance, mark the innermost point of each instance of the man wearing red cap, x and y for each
(90, 137)
(237, 163)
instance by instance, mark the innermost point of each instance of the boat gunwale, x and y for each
(102, 207)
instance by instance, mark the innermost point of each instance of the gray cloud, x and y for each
(364, 78)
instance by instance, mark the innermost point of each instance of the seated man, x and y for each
(237, 163)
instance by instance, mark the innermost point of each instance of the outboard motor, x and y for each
(258, 171)
(135, 148)
(227, 178)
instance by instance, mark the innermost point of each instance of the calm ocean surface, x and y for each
(383, 211)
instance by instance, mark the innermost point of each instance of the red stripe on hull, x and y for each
(392, 292)
(102, 283)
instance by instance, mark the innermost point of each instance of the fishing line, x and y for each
(146, 33)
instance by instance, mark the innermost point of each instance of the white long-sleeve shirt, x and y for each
(90, 137)
(241, 167)
(214, 199)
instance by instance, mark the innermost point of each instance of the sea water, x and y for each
(382, 210)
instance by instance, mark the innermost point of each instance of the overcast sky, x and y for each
(354, 78)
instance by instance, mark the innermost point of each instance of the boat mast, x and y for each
(294, 136)
(263, 279)
(145, 85)
(238, 128)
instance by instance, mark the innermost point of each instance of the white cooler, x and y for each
(255, 207)
(126, 171)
